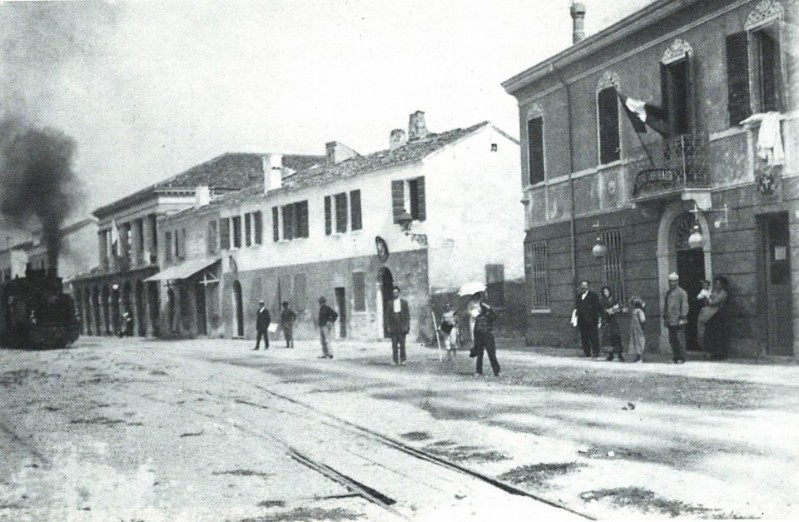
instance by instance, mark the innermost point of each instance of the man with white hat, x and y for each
(675, 317)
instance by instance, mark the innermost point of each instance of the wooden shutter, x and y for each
(259, 227)
(737, 78)
(535, 149)
(420, 199)
(247, 229)
(608, 108)
(275, 224)
(302, 219)
(355, 209)
(341, 212)
(397, 198)
(288, 222)
(328, 217)
(224, 233)
(769, 72)
(168, 245)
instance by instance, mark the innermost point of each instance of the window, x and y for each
(211, 238)
(737, 78)
(341, 211)
(236, 231)
(328, 217)
(766, 62)
(224, 233)
(355, 210)
(536, 261)
(675, 85)
(258, 227)
(409, 196)
(168, 246)
(359, 291)
(535, 149)
(178, 254)
(495, 284)
(613, 270)
(299, 292)
(608, 120)
(294, 221)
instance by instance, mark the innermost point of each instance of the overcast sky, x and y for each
(149, 89)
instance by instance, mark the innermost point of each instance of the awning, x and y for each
(184, 270)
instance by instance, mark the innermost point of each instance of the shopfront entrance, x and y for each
(776, 283)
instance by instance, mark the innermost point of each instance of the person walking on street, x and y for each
(262, 326)
(587, 306)
(637, 341)
(327, 317)
(449, 331)
(484, 339)
(675, 317)
(398, 319)
(609, 323)
(287, 317)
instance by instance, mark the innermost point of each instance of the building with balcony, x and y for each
(427, 214)
(667, 143)
(128, 245)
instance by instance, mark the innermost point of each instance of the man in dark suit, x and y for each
(398, 320)
(262, 326)
(587, 306)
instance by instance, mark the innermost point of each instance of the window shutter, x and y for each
(737, 78)
(328, 217)
(420, 199)
(341, 212)
(275, 224)
(247, 229)
(302, 219)
(288, 222)
(224, 233)
(608, 108)
(259, 227)
(769, 76)
(397, 198)
(355, 209)
(535, 149)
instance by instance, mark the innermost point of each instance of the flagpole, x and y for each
(646, 149)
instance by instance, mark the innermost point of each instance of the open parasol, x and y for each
(472, 288)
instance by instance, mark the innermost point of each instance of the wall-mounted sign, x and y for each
(654, 178)
(382, 249)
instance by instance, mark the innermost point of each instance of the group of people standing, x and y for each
(597, 318)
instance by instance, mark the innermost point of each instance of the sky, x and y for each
(149, 89)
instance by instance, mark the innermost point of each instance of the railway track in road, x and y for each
(388, 473)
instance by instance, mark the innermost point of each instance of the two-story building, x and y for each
(430, 212)
(667, 143)
(128, 240)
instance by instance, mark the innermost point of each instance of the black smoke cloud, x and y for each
(37, 180)
(43, 44)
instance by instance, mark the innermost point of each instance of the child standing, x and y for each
(637, 340)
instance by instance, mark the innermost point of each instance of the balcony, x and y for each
(670, 168)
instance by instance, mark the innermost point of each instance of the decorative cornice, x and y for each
(764, 12)
(535, 111)
(676, 51)
(608, 79)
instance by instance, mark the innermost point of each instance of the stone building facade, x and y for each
(710, 73)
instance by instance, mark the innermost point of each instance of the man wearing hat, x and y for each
(675, 317)
(327, 316)
(262, 326)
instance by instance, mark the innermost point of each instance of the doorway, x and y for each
(341, 304)
(776, 277)
(239, 307)
(385, 280)
(691, 269)
(202, 325)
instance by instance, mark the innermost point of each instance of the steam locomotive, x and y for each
(36, 313)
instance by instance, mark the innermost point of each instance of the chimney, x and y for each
(273, 172)
(578, 17)
(397, 139)
(202, 196)
(338, 152)
(417, 129)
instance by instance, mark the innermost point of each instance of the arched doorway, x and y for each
(692, 265)
(385, 284)
(238, 306)
(138, 299)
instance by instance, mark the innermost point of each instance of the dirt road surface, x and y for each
(123, 429)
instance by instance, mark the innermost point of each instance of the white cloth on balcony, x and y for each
(769, 140)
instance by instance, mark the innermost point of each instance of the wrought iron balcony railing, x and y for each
(671, 165)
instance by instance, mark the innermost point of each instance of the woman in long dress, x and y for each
(609, 325)
(716, 328)
(637, 341)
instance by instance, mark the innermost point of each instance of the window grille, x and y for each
(537, 270)
(613, 262)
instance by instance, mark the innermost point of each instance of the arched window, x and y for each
(607, 103)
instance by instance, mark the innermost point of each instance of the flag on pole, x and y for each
(114, 238)
(642, 114)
